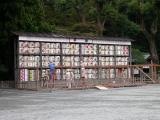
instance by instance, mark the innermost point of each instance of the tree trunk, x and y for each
(150, 34)
(81, 15)
(100, 27)
(83, 19)
(100, 22)
(153, 50)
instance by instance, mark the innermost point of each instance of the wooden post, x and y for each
(155, 73)
(36, 79)
(132, 80)
(40, 69)
(152, 70)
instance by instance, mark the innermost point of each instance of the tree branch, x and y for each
(154, 26)
(104, 21)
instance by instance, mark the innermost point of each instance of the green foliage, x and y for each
(46, 27)
(137, 56)
(84, 28)
(32, 17)
(119, 25)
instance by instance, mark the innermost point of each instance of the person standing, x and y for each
(83, 74)
(68, 78)
(51, 69)
(72, 78)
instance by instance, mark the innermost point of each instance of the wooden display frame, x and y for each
(98, 67)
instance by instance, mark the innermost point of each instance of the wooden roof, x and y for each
(54, 35)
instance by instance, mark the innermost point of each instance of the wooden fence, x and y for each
(134, 75)
(7, 84)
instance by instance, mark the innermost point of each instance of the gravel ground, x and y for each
(134, 103)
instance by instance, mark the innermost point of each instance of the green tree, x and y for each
(31, 17)
(81, 8)
(146, 14)
(137, 56)
(101, 10)
(19, 15)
